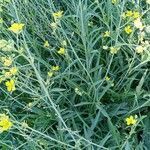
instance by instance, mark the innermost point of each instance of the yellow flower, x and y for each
(107, 78)
(128, 13)
(107, 34)
(77, 91)
(30, 104)
(57, 15)
(5, 123)
(138, 24)
(16, 27)
(61, 51)
(1, 20)
(128, 29)
(55, 68)
(9, 46)
(64, 43)
(10, 85)
(105, 47)
(54, 25)
(136, 14)
(114, 1)
(24, 125)
(50, 73)
(7, 74)
(113, 50)
(46, 44)
(139, 49)
(13, 70)
(131, 120)
(7, 61)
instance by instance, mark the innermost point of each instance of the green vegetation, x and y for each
(74, 74)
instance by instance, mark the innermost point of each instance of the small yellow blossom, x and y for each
(112, 84)
(9, 47)
(64, 43)
(57, 15)
(107, 34)
(10, 85)
(61, 51)
(24, 125)
(107, 78)
(131, 120)
(77, 91)
(54, 25)
(114, 1)
(1, 20)
(46, 44)
(139, 49)
(55, 68)
(128, 13)
(16, 27)
(136, 14)
(30, 104)
(7, 61)
(128, 29)
(13, 70)
(50, 73)
(105, 47)
(114, 50)
(138, 24)
(90, 23)
(5, 123)
(7, 74)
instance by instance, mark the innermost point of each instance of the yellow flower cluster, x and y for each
(1, 20)
(46, 44)
(9, 70)
(6, 45)
(135, 16)
(106, 34)
(114, 50)
(131, 14)
(131, 120)
(128, 29)
(78, 92)
(7, 61)
(107, 78)
(16, 27)
(138, 24)
(53, 70)
(114, 1)
(139, 49)
(57, 16)
(5, 123)
(8, 73)
(54, 25)
(10, 85)
(61, 51)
